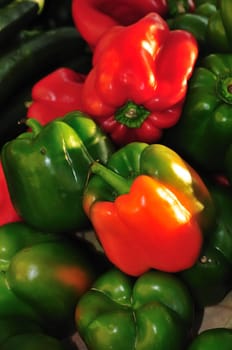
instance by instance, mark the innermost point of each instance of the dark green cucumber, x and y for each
(36, 56)
(16, 15)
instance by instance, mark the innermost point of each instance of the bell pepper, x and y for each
(203, 133)
(46, 170)
(149, 209)
(132, 91)
(154, 311)
(7, 210)
(219, 27)
(210, 278)
(197, 23)
(212, 339)
(210, 23)
(42, 276)
(93, 18)
(55, 95)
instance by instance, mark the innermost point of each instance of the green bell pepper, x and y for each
(154, 311)
(43, 275)
(210, 279)
(210, 23)
(212, 339)
(203, 133)
(47, 169)
(219, 31)
(196, 23)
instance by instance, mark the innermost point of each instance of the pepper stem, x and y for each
(35, 125)
(119, 183)
(131, 115)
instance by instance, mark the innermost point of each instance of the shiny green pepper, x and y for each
(42, 276)
(154, 311)
(47, 169)
(210, 23)
(203, 134)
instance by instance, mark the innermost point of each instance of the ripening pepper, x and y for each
(55, 94)
(42, 276)
(212, 339)
(203, 133)
(7, 210)
(149, 209)
(154, 311)
(210, 278)
(133, 91)
(46, 170)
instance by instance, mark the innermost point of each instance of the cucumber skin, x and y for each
(35, 56)
(15, 16)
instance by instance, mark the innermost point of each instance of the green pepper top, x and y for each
(154, 311)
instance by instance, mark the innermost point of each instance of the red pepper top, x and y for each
(146, 64)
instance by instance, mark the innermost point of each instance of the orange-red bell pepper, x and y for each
(149, 209)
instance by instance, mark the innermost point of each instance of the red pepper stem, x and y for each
(35, 126)
(119, 183)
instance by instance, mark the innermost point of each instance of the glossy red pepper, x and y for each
(138, 82)
(94, 17)
(56, 94)
(7, 211)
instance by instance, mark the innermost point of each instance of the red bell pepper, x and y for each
(56, 94)
(93, 18)
(138, 82)
(8, 213)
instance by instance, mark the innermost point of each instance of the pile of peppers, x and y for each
(115, 204)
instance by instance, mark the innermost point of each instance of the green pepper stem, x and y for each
(35, 125)
(131, 115)
(119, 183)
